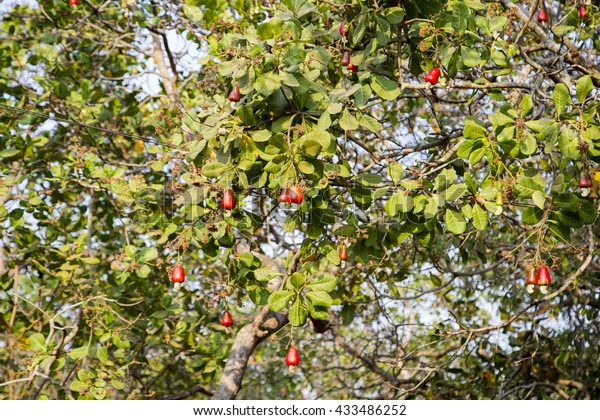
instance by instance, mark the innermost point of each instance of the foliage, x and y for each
(117, 141)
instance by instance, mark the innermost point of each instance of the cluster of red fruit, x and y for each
(292, 194)
(542, 16)
(345, 61)
(541, 278)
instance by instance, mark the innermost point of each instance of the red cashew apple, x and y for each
(292, 358)
(226, 320)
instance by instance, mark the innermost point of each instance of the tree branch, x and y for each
(193, 390)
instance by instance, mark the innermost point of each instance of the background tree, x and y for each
(450, 148)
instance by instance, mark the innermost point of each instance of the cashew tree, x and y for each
(400, 196)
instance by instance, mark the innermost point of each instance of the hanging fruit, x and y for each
(228, 200)
(531, 280)
(543, 278)
(585, 180)
(343, 27)
(284, 196)
(178, 276)
(235, 96)
(352, 68)
(345, 58)
(292, 358)
(73, 3)
(542, 16)
(433, 76)
(582, 11)
(295, 194)
(292, 194)
(226, 320)
(343, 252)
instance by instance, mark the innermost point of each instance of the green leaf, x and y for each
(9, 153)
(454, 192)
(99, 393)
(529, 182)
(567, 143)
(319, 298)
(116, 384)
(384, 87)
(213, 169)
(325, 283)
(476, 155)
(148, 254)
(583, 88)
(78, 386)
(78, 353)
(431, 208)
(405, 201)
(368, 122)
(333, 257)
(528, 145)
(474, 129)
(532, 215)
(362, 96)
(539, 198)
(497, 23)
(537, 126)
(561, 98)
(288, 79)
(315, 141)
(361, 22)
(395, 170)
(267, 83)
(103, 356)
(261, 136)
(566, 202)
(379, 192)
(471, 57)
(312, 147)
(317, 312)
(278, 301)
(194, 13)
(294, 55)
(455, 221)
(394, 15)
(265, 274)
(297, 314)
(391, 206)
(297, 280)
(143, 271)
(460, 17)
(368, 179)
(480, 217)
(306, 167)
(37, 343)
(500, 119)
(348, 121)
(526, 105)
(334, 108)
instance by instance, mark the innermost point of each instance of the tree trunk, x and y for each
(248, 337)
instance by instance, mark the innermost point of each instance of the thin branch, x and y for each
(193, 390)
